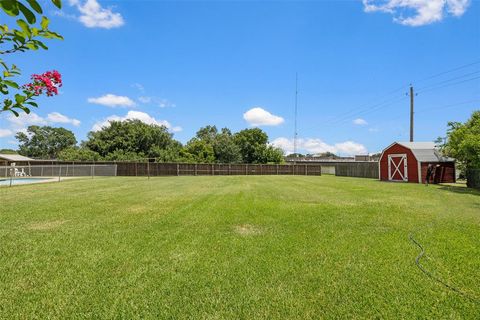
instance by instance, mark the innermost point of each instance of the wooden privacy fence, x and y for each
(357, 169)
(153, 169)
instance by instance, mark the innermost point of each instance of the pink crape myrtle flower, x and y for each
(47, 83)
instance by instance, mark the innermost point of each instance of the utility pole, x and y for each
(411, 112)
(295, 134)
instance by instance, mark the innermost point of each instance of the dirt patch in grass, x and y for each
(248, 230)
(46, 225)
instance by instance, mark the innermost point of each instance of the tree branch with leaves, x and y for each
(25, 38)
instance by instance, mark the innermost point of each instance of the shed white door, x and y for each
(397, 167)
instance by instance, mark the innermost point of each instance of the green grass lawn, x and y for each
(264, 247)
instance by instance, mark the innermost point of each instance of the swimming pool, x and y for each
(17, 181)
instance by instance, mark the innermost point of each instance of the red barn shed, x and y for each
(408, 162)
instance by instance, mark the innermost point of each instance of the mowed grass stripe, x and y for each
(271, 247)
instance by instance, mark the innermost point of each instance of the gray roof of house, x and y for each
(14, 157)
(426, 152)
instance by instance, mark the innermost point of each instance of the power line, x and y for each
(433, 108)
(449, 80)
(449, 71)
(347, 116)
(451, 84)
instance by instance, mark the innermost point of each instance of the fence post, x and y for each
(91, 170)
(277, 169)
(213, 169)
(229, 169)
(59, 172)
(306, 170)
(148, 168)
(246, 169)
(195, 169)
(178, 169)
(261, 171)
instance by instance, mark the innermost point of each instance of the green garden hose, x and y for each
(431, 276)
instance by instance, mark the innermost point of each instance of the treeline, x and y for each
(135, 140)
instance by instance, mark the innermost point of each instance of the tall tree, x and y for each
(198, 151)
(45, 142)
(207, 134)
(225, 149)
(131, 139)
(78, 154)
(24, 37)
(463, 141)
(252, 144)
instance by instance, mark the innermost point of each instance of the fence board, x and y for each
(357, 169)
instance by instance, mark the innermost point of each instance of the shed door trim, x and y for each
(396, 167)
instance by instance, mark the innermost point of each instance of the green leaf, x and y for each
(40, 44)
(19, 99)
(44, 23)
(35, 6)
(10, 7)
(25, 27)
(27, 13)
(57, 3)
(33, 104)
(11, 84)
(31, 45)
(14, 112)
(52, 35)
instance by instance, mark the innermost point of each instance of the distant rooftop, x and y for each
(14, 157)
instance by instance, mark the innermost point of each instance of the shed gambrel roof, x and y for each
(14, 157)
(425, 152)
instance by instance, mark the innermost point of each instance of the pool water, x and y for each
(17, 181)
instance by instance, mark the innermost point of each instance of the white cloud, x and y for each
(56, 117)
(261, 117)
(25, 120)
(139, 87)
(145, 99)
(20, 123)
(162, 103)
(315, 146)
(142, 116)
(93, 15)
(360, 122)
(111, 100)
(5, 133)
(424, 11)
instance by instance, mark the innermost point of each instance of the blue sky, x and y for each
(187, 64)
